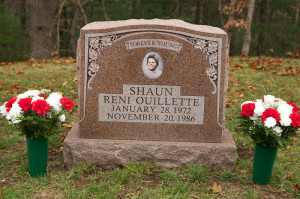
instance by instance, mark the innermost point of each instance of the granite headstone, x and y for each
(145, 84)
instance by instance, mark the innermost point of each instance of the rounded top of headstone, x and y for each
(135, 22)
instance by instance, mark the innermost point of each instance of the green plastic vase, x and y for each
(37, 156)
(264, 158)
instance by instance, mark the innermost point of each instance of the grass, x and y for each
(249, 78)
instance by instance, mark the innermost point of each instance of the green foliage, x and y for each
(37, 126)
(13, 38)
(264, 136)
(199, 173)
(228, 175)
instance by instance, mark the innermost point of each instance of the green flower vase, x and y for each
(264, 158)
(37, 156)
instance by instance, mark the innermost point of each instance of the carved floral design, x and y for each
(210, 48)
(95, 46)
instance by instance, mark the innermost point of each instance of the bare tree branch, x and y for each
(105, 13)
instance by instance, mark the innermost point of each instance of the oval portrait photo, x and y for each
(152, 65)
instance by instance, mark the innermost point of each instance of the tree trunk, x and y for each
(78, 9)
(41, 15)
(262, 22)
(247, 36)
(198, 12)
(230, 19)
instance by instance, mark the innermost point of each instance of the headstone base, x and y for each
(113, 153)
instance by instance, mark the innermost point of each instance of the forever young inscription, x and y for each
(151, 104)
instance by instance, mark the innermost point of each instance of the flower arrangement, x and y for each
(38, 114)
(270, 122)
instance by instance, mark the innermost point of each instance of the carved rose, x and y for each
(94, 67)
(211, 71)
(106, 41)
(93, 54)
(213, 58)
(94, 42)
(212, 46)
(200, 44)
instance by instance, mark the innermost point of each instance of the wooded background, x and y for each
(45, 28)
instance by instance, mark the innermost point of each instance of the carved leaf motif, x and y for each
(93, 54)
(94, 42)
(94, 67)
(212, 46)
(211, 71)
(213, 58)
(106, 41)
(200, 44)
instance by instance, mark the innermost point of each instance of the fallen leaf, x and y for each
(62, 137)
(2, 85)
(75, 79)
(65, 83)
(1, 193)
(288, 175)
(243, 171)
(294, 139)
(288, 147)
(20, 73)
(217, 189)
(61, 148)
(295, 187)
(67, 125)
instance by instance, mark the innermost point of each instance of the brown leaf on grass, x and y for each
(15, 87)
(288, 175)
(217, 189)
(61, 148)
(294, 139)
(65, 83)
(75, 79)
(295, 187)
(20, 73)
(1, 193)
(238, 66)
(62, 137)
(67, 125)
(2, 85)
(288, 147)
(49, 85)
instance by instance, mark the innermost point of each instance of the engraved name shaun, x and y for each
(151, 104)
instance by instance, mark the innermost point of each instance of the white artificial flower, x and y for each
(270, 99)
(285, 110)
(36, 98)
(62, 118)
(270, 122)
(14, 112)
(53, 100)
(259, 108)
(32, 93)
(285, 121)
(278, 130)
(254, 118)
(3, 111)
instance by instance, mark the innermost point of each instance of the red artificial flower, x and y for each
(248, 109)
(40, 106)
(25, 103)
(44, 96)
(270, 113)
(295, 117)
(9, 103)
(67, 102)
(295, 109)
